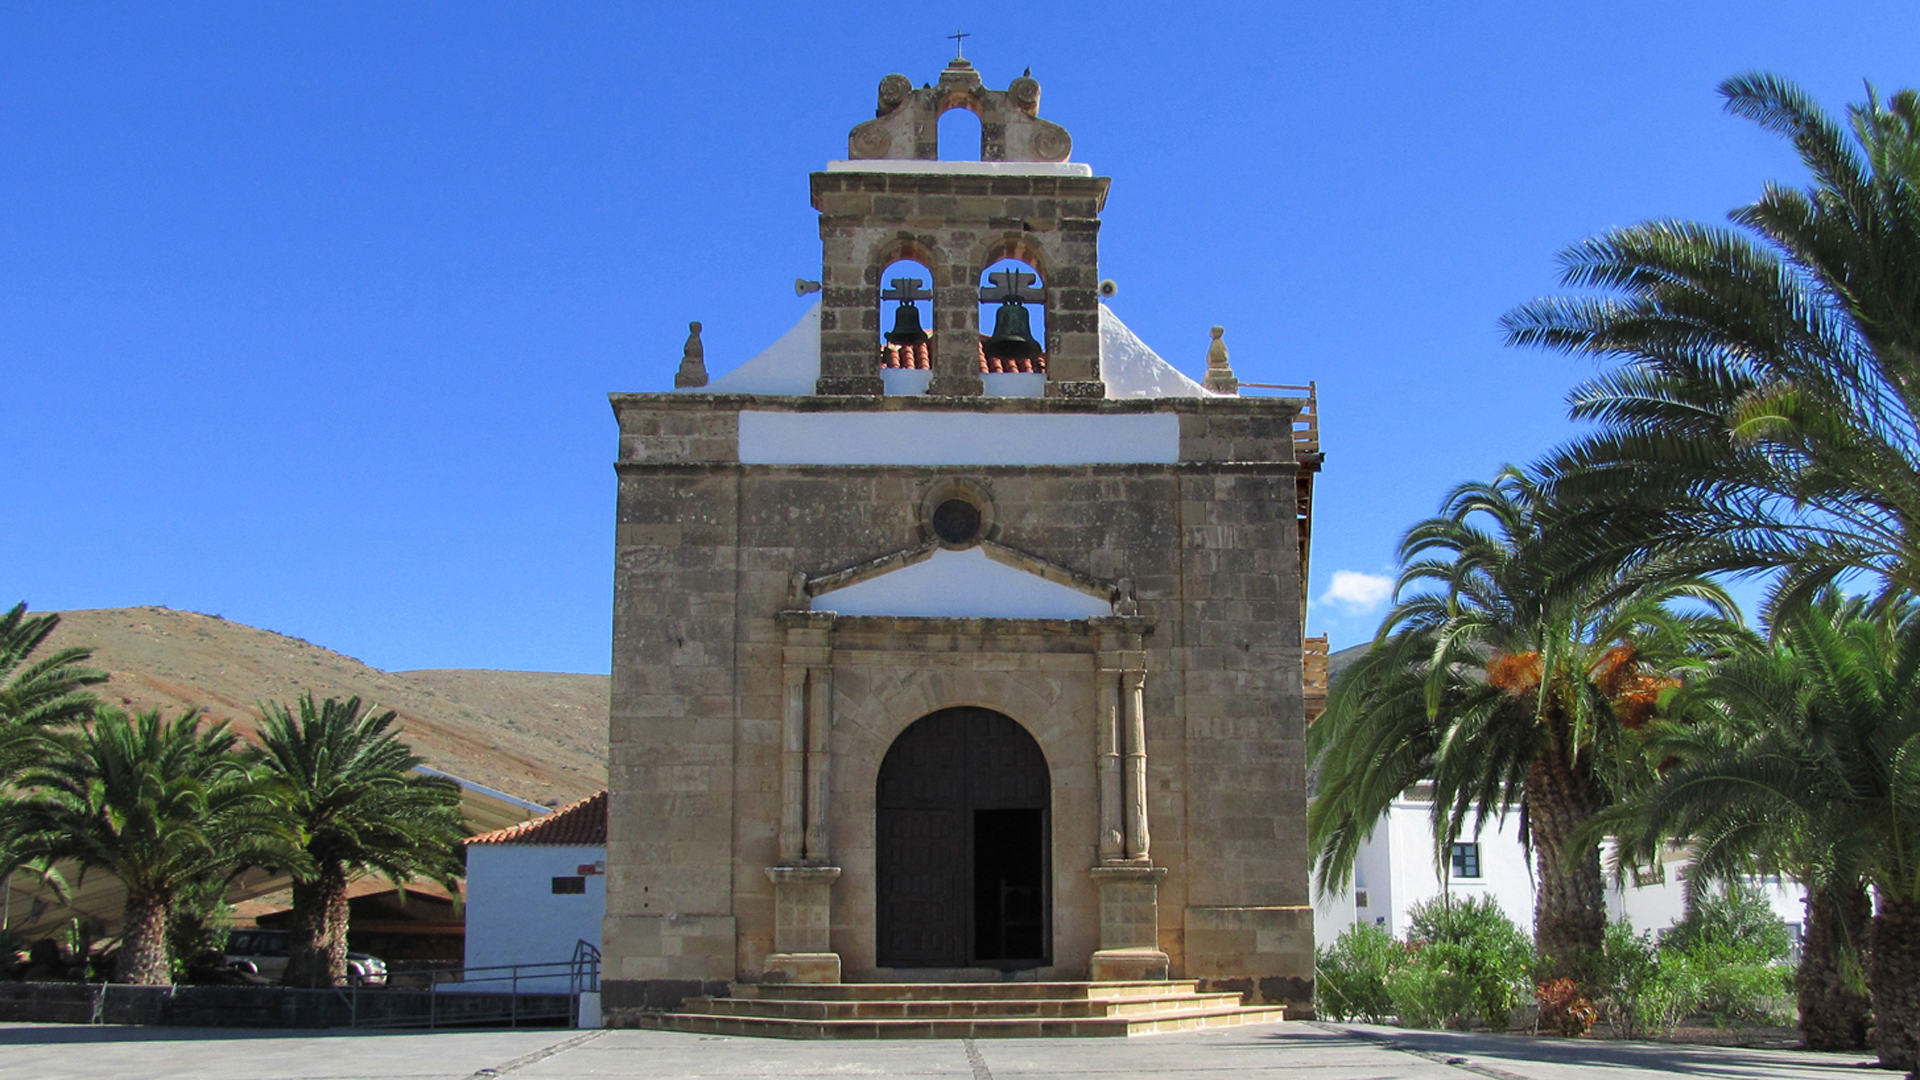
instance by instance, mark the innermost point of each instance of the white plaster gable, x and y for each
(790, 365)
(1132, 370)
(963, 585)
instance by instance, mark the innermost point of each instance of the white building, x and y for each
(534, 892)
(1396, 869)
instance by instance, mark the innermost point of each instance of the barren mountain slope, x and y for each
(538, 735)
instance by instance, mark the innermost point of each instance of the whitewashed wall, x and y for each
(1396, 870)
(514, 917)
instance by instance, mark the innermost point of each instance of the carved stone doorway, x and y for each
(962, 850)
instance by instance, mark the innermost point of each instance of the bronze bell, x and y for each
(906, 326)
(1012, 335)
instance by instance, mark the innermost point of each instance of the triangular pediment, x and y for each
(962, 585)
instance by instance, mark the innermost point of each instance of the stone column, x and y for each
(819, 761)
(1133, 699)
(1107, 765)
(803, 883)
(793, 767)
(1128, 882)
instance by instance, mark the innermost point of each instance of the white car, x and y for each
(264, 953)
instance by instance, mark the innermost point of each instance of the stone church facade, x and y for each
(945, 683)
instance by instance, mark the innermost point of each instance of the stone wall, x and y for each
(707, 551)
(957, 226)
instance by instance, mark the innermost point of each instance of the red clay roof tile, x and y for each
(920, 358)
(580, 824)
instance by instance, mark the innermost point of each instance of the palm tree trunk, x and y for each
(337, 917)
(142, 960)
(314, 957)
(1833, 1014)
(1569, 906)
(1894, 976)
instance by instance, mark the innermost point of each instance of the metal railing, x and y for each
(1306, 426)
(475, 985)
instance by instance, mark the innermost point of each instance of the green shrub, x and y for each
(1351, 978)
(1430, 989)
(1738, 948)
(1472, 942)
(1736, 919)
(1644, 990)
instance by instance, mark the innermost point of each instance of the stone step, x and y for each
(961, 991)
(995, 1028)
(924, 1009)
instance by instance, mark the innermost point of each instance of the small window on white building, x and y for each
(1466, 860)
(569, 885)
(1359, 898)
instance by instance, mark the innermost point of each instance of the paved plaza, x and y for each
(1295, 1051)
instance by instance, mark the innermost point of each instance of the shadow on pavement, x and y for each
(1674, 1058)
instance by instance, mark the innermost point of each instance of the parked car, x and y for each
(264, 953)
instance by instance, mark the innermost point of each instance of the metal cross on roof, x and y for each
(1010, 287)
(906, 290)
(955, 38)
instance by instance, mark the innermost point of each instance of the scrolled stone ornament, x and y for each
(1024, 92)
(893, 92)
(1051, 143)
(870, 140)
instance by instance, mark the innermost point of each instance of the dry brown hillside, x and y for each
(538, 735)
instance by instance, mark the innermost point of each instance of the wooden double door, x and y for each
(963, 846)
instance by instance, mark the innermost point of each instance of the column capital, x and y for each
(805, 875)
(1141, 871)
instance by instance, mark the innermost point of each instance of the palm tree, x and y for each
(155, 803)
(1738, 702)
(36, 696)
(44, 693)
(1813, 768)
(347, 784)
(1765, 413)
(1504, 687)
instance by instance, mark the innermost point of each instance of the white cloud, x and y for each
(1357, 593)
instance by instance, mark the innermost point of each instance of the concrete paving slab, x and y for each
(62, 1051)
(1544, 1058)
(1290, 1051)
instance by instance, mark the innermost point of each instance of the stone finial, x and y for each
(1220, 377)
(693, 362)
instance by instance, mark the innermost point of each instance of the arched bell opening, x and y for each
(963, 845)
(1013, 318)
(906, 325)
(961, 135)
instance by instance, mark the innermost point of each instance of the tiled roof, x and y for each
(577, 824)
(920, 358)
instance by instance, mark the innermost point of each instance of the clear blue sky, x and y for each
(308, 311)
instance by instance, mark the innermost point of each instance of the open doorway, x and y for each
(963, 842)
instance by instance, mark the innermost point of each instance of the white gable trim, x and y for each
(963, 585)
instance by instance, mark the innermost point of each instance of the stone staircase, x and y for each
(959, 1010)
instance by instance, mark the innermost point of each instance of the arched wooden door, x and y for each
(963, 845)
